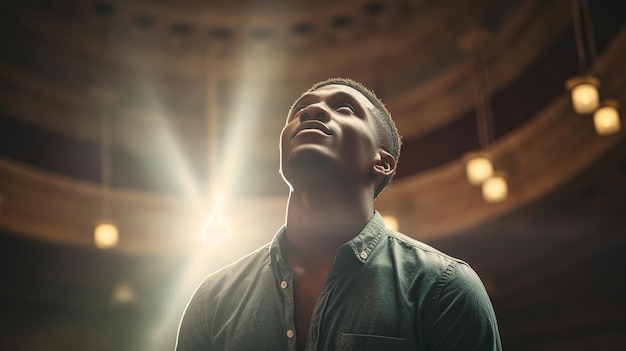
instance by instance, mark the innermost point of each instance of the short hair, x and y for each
(387, 133)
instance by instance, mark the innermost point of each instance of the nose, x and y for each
(315, 111)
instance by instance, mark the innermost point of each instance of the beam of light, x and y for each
(217, 228)
(250, 92)
(196, 267)
(253, 80)
(202, 261)
(163, 332)
(169, 148)
(206, 260)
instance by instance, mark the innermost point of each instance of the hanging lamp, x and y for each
(479, 167)
(584, 93)
(584, 87)
(495, 188)
(106, 234)
(606, 119)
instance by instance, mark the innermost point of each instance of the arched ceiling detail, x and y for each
(537, 158)
(158, 58)
(429, 74)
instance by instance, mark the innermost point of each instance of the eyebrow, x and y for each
(339, 95)
(343, 95)
(361, 110)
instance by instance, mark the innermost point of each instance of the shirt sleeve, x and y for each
(193, 328)
(462, 316)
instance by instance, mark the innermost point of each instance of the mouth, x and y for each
(314, 126)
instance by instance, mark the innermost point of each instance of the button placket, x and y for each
(285, 279)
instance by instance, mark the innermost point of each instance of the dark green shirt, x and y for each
(386, 292)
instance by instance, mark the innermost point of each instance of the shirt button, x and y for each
(283, 284)
(363, 255)
(290, 333)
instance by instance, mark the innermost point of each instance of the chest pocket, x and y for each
(362, 342)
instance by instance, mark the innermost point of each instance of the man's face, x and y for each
(330, 127)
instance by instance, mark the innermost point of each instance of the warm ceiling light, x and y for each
(391, 222)
(585, 96)
(495, 188)
(123, 293)
(478, 167)
(106, 236)
(606, 118)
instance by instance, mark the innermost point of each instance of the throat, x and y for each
(315, 220)
(307, 290)
(311, 269)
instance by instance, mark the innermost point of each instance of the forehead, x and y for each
(339, 91)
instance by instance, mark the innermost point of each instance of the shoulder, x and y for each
(440, 272)
(218, 295)
(417, 250)
(214, 288)
(247, 265)
(456, 306)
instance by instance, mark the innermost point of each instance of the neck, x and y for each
(319, 221)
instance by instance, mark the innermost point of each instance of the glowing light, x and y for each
(216, 229)
(106, 236)
(584, 91)
(123, 293)
(606, 118)
(236, 131)
(391, 222)
(478, 168)
(495, 188)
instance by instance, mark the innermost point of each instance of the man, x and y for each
(334, 277)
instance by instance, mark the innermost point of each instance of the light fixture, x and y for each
(606, 118)
(478, 167)
(106, 234)
(495, 188)
(584, 93)
(583, 88)
(123, 294)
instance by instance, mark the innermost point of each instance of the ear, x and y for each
(384, 165)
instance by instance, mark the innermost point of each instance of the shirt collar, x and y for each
(361, 245)
(275, 252)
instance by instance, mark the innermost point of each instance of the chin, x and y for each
(308, 161)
